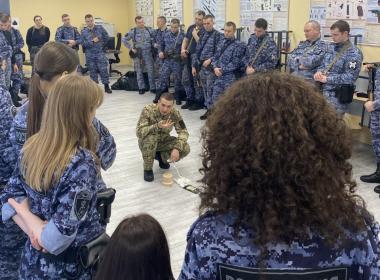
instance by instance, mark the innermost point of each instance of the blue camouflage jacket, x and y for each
(376, 94)
(308, 54)
(87, 36)
(346, 69)
(212, 240)
(228, 55)
(267, 59)
(171, 42)
(141, 37)
(65, 33)
(206, 47)
(8, 156)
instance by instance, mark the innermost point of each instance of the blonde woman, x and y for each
(56, 178)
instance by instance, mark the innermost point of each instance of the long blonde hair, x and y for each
(66, 124)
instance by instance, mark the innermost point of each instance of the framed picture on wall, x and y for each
(144, 8)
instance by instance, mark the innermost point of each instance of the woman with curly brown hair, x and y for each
(278, 189)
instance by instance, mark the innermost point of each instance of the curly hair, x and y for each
(276, 154)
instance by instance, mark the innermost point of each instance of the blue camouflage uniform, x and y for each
(206, 49)
(267, 59)
(5, 54)
(213, 240)
(17, 78)
(69, 207)
(344, 72)
(143, 40)
(375, 118)
(106, 150)
(227, 57)
(194, 92)
(310, 55)
(172, 63)
(12, 239)
(96, 59)
(157, 39)
(65, 33)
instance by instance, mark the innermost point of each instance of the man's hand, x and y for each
(218, 72)
(95, 39)
(367, 67)
(161, 55)
(250, 70)
(302, 67)
(318, 76)
(4, 65)
(369, 106)
(165, 124)
(194, 71)
(71, 43)
(15, 68)
(183, 53)
(174, 156)
(206, 63)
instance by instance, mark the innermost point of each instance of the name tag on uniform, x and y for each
(20, 135)
(228, 272)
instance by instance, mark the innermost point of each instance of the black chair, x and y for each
(116, 53)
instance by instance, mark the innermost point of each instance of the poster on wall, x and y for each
(362, 15)
(172, 9)
(347, 9)
(215, 8)
(144, 8)
(274, 11)
(373, 11)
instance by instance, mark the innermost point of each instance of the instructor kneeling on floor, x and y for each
(153, 132)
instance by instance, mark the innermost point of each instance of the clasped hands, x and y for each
(31, 224)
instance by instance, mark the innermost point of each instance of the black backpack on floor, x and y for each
(128, 82)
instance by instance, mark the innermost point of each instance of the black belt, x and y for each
(68, 256)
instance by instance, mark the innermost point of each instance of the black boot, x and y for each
(15, 100)
(377, 189)
(141, 91)
(178, 102)
(148, 175)
(204, 116)
(161, 163)
(107, 88)
(187, 105)
(372, 178)
(158, 95)
(195, 106)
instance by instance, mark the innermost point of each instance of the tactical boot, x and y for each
(148, 175)
(377, 189)
(141, 91)
(187, 105)
(107, 88)
(158, 95)
(195, 107)
(372, 178)
(204, 116)
(178, 102)
(161, 163)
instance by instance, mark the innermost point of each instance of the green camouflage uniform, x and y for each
(153, 139)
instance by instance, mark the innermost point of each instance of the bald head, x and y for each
(312, 30)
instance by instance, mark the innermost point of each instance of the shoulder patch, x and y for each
(81, 203)
(352, 65)
(20, 135)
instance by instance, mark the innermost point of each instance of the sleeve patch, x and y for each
(353, 65)
(81, 204)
